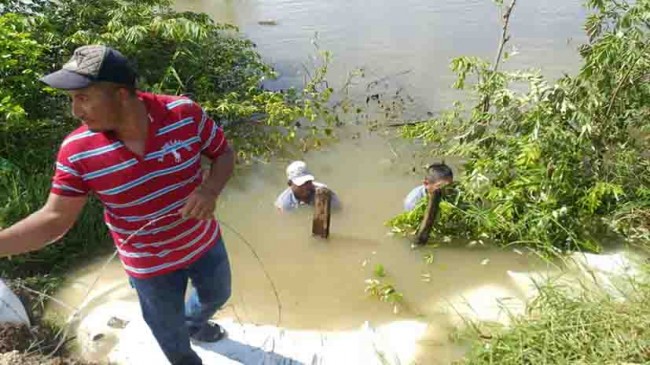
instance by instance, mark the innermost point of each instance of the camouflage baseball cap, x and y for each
(90, 64)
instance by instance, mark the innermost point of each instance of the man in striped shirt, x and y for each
(140, 155)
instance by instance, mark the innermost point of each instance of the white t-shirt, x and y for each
(414, 197)
(288, 201)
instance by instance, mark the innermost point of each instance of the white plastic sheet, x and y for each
(11, 308)
(248, 343)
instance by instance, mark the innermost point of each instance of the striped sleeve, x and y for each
(213, 139)
(67, 179)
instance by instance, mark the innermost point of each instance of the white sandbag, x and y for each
(11, 309)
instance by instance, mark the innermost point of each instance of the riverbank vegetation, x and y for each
(554, 166)
(568, 324)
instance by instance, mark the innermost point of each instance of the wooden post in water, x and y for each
(424, 231)
(322, 211)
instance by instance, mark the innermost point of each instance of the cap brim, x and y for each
(302, 179)
(66, 80)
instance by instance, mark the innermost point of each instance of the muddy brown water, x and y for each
(411, 41)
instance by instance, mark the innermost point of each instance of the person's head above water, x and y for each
(300, 180)
(438, 175)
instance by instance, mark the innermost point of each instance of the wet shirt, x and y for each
(287, 200)
(414, 197)
(138, 189)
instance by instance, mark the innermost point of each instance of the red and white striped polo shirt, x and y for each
(136, 189)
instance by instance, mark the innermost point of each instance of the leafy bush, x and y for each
(555, 165)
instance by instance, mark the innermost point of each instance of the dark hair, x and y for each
(439, 171)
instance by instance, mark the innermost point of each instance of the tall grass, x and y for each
(568, 326)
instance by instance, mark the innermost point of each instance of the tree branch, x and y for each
(502, 43)
(504, 35)
(404, 124)
(476, 132)
(630, 68)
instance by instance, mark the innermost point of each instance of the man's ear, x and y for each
(124, 93)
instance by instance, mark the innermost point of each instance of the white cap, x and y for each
(298, 174)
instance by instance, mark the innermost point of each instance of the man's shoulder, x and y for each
(417, 192)
(414, 196)
(285, 200)
(285, 195)
(169, 108)
(170, 103)
(82, 129)
(160, 98)
(80, 140)
(418, 189)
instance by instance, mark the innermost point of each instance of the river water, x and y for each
(321, 282)
(415, 37)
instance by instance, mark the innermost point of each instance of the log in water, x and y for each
(322, 212)
(430, 216)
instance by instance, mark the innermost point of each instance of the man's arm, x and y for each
(42, 227)
(202, 203)
(221, 170)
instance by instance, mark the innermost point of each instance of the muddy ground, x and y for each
(23, 345)
(20, 345)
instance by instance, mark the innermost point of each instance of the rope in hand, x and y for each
(63, 332)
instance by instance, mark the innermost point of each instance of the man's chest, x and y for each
(134, 169)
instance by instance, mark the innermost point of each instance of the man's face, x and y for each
(99, 106)
(303, 192)
(431, 187)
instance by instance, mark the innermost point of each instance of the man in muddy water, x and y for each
(438, 175)
(139, 154)
(301, 190)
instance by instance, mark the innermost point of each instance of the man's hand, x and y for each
(200, 205)
(203, 201)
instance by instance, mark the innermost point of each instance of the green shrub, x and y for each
(553, 166)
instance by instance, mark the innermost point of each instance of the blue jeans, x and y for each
(171, 320)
